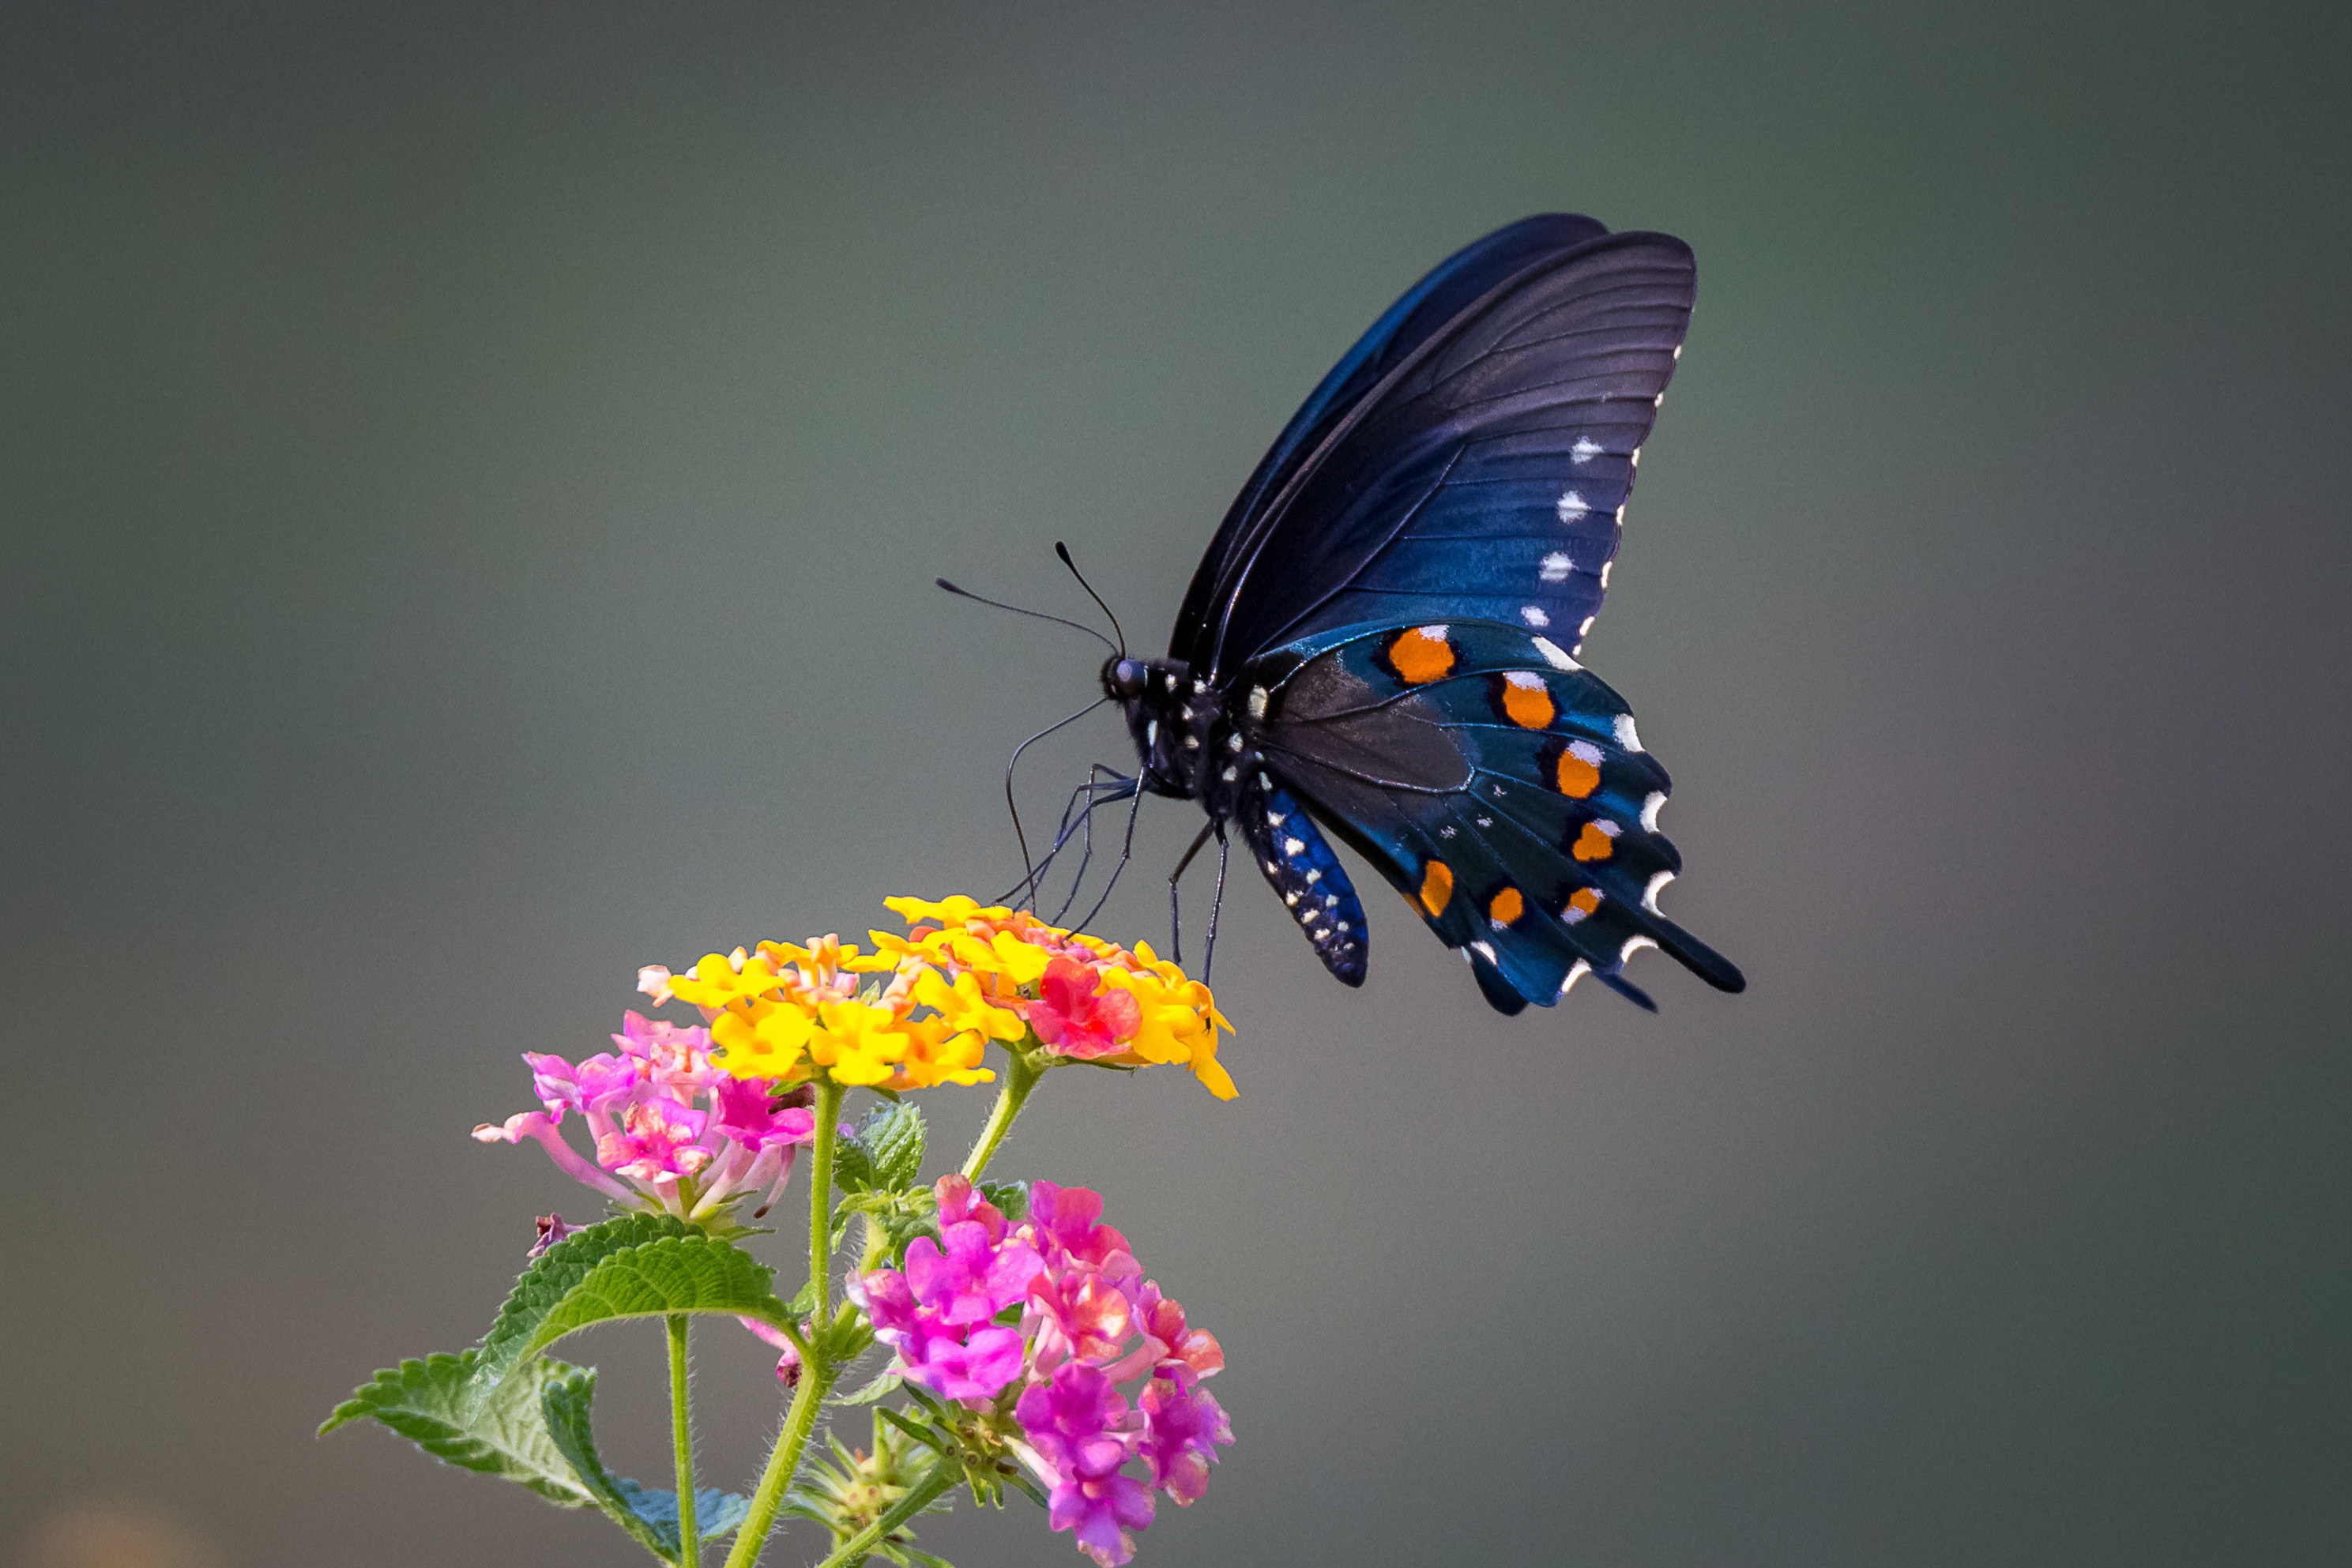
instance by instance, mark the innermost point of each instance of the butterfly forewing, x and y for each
(1483, 475)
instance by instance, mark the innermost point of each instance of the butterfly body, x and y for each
(1383, 636)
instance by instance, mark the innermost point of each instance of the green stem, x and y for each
(828, 1124)
(690, 1516)
(942, 1476)
(816, 1372)
(784, 1463)
(1019, 1079)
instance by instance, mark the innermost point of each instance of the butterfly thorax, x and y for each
(1190, 748)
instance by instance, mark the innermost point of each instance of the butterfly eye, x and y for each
(1125, 677)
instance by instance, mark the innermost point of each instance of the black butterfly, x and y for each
(1382, 636)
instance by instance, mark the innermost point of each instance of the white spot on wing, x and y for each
(1291, 897)
(1313, 877)
(1637, 458)
(1257, 702)
(1446, 832)
(1484, 949)
(1572, 505)
(1152, 733)
(1585, 450)
(1557, 565)
(1231, 774)
(1584, 751)
(1604, 574)
(1525, 680)
(1626, 737)
(1553, 656)
(1678, 350)
(1632, 945)
(1576, 972)
(1434, 633)
(1657, 885)
(1584, 629)
(1533, 615)
(1293, 847)
(1650, 804)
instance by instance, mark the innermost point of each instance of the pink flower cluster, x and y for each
(1090, 1322)
(673, 1130)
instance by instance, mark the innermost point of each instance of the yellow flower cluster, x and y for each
(1002, 956)
(920, 1009)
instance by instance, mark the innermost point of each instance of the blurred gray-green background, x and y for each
(470, 485)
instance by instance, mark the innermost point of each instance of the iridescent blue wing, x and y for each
(1452, 287)
(1496, 784)
(1472, 467)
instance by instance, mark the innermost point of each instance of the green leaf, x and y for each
(434, 1404)
(893, 1140)
(675, 1274)
(852, 1169)
(884, 1384)
(554, 1274)
(1009, 1197)
(649, 1516)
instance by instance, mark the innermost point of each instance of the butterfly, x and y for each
(1382, 640)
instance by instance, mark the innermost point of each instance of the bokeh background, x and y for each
(470, 485)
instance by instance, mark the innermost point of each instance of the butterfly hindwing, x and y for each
(1502, 788)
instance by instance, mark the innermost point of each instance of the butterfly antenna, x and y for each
(1038, 614)
(1064, 551)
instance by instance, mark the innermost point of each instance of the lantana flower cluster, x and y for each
(919, 1010)
(1088, 1322)
(673, 1130)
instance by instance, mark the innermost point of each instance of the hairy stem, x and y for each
(1020, 1078)
(828, 1122)
(784, 1463)
(926, 1491)
(689, 1517)
(817, 1371)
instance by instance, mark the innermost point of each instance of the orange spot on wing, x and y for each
(1577, 775)
(1530, 705)
(1436, 887)
(1505, 908)
(1595, 843)
(1584, 901)
(1421, 655)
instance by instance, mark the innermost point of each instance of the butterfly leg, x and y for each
(1094, 793)
(1175, 914)
(1216, 904)
(1100, 792)
(1126, 851)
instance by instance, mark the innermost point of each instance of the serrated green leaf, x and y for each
(803, 1302)
(650, 1516)
(1012, 1198)
(893, 1140)
(674, 1274)
(853, 1168)
(554, 1274)
(436, 1404)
